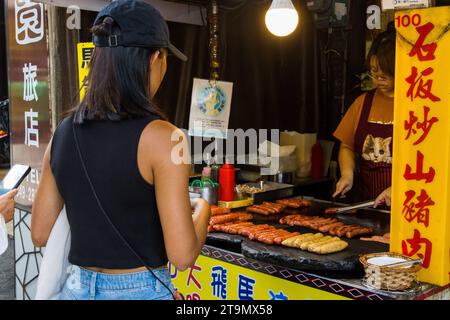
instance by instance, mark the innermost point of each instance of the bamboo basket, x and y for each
(389, 278)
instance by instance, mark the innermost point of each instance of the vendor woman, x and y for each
(366, 131)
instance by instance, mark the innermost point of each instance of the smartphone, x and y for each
(14, 178)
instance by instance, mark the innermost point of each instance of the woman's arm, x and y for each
(184, 232)
(347, 166)
(47, 204)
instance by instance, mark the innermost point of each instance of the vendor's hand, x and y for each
(7, 205)
(383, 198)
(344, 185)
(199, 204)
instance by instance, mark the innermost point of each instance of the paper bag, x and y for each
(303, 143)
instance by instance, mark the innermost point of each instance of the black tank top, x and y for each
(109, 149)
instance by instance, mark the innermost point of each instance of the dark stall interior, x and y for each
(4, 104)
(3, 64)
(292, 83)
(303, 82)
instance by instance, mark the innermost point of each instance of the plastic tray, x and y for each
(272, 191)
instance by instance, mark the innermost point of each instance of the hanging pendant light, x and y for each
(281, 18)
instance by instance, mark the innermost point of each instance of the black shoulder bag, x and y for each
(107, 217)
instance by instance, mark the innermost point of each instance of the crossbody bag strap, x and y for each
(119, 234)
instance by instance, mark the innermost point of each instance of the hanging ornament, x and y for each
(214, 40)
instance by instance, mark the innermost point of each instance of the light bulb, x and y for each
(281, 18)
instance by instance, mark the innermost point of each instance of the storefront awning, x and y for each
(171, 11)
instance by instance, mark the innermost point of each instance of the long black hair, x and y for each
(118, 83)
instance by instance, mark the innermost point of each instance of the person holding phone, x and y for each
(118, 143)
(7, 205)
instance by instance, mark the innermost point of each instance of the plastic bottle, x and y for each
(215, 172)
(316, 161)
(206, 172)
(226, 182)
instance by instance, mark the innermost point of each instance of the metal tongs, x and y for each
(356, 206)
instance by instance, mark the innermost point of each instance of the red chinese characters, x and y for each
(418, 206)
(424, 52)
(412, 125)
(419, 174)
(418, 87)
(192, 276)
(417, 210)
(193, 296)
(420, 246)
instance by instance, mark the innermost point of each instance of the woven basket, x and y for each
(389, 278)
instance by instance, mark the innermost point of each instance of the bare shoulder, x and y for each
(160, 139)
(159, 133)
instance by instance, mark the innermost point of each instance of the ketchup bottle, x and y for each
(316, 161)
(226, 182)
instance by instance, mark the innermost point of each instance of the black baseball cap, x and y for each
(140, 24)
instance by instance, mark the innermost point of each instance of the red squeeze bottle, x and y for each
(226, 182)
(316, 161)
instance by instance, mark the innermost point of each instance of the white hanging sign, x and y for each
(404, 4)
(210, 108)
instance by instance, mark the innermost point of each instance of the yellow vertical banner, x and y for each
(420, 221)
(84, 54)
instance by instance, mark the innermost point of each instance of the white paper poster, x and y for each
(210, 108)
(404, 4)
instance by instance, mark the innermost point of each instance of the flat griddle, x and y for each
(345, 261)
(379, 220)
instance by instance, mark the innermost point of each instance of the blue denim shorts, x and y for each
(83, 284)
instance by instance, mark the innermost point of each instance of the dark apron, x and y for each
(373, 147)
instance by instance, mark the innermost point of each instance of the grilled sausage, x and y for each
(216, 211)
(331, 211)
(344, 230)
(357, 232)
(280, 239)
(253, 234)
(230, 217)
(327, 227)
(246, 232)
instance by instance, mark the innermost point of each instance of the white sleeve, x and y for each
(3, 235)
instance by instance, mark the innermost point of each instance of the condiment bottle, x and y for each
(206, 172)
(316, 161)
(226, 182)
(215, 172)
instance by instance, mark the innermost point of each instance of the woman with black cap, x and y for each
(112, 165)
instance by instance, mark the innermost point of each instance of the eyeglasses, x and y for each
(382, 78)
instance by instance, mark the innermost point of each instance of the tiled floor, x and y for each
(7, 273)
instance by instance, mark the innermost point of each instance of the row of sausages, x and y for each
(267, 234)
(262, 232)
(326, 225)
(272, 208)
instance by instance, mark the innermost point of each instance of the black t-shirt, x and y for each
(109, 150)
